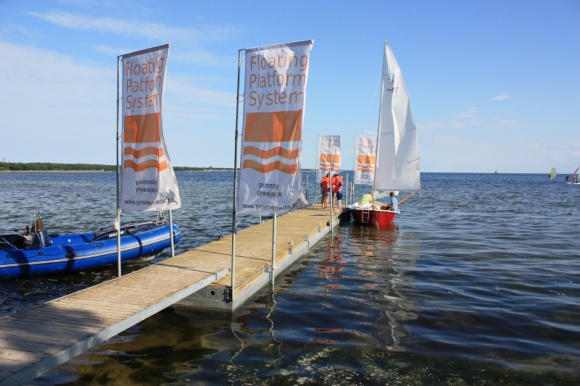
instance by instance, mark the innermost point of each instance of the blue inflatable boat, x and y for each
(41, 253)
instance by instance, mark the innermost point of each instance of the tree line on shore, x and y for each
(56, 167)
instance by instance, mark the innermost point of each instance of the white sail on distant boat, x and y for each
(397, 161)
(553, 174)
(573, 180)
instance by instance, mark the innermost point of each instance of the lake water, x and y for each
(477, 283)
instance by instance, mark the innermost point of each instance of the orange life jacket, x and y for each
(336, 184)
(324, 183)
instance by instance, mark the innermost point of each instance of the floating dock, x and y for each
(34, 341)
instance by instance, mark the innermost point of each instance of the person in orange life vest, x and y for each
(324, 187)
(337, 190)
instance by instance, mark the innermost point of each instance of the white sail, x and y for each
(397, 165)
(553, 174)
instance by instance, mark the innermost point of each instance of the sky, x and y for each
(494, 84)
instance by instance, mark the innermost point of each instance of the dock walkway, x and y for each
(37, 340)
(296, 233)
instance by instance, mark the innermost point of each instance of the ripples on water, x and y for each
(477, 283)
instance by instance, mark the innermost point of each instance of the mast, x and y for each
(378, 139)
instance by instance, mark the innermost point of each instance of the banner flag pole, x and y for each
(235, 203)
(118, 218)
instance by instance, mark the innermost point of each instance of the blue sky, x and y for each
(494, 84)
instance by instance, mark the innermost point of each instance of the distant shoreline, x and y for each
(47, 167)
(108, 171)
(56, 171)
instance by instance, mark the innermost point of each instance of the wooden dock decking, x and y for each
(37, 340)
(296, 232)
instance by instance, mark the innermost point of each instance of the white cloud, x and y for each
(193, 43)
(152, 31)
(500, 97)
(54, 97)
(469, 114)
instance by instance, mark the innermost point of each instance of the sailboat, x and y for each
(397, 160)
(552, 175)
(573, 180)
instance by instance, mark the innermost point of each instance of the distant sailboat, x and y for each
(573, 180)
(553, 174)
(397, 161)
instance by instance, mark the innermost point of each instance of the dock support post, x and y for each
(171, 234)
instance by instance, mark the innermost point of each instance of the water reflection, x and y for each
(272, 330)
(339, 316)
(333, 265)
(384, 264)
(249, 336)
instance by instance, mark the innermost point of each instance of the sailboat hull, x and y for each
(372, 217)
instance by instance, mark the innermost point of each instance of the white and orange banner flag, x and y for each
(148, 181)
(274, 100)
(329, 155)
(365, 160)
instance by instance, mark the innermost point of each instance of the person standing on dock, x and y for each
(324, 188)
(337, 190)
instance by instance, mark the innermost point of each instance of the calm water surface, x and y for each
(477, 283)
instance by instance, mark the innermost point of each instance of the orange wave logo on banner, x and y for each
(138, 130)
(329, 156)
(330, 162)
(366, 163)
(268, 133)
(277, 151)
(366, 160)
